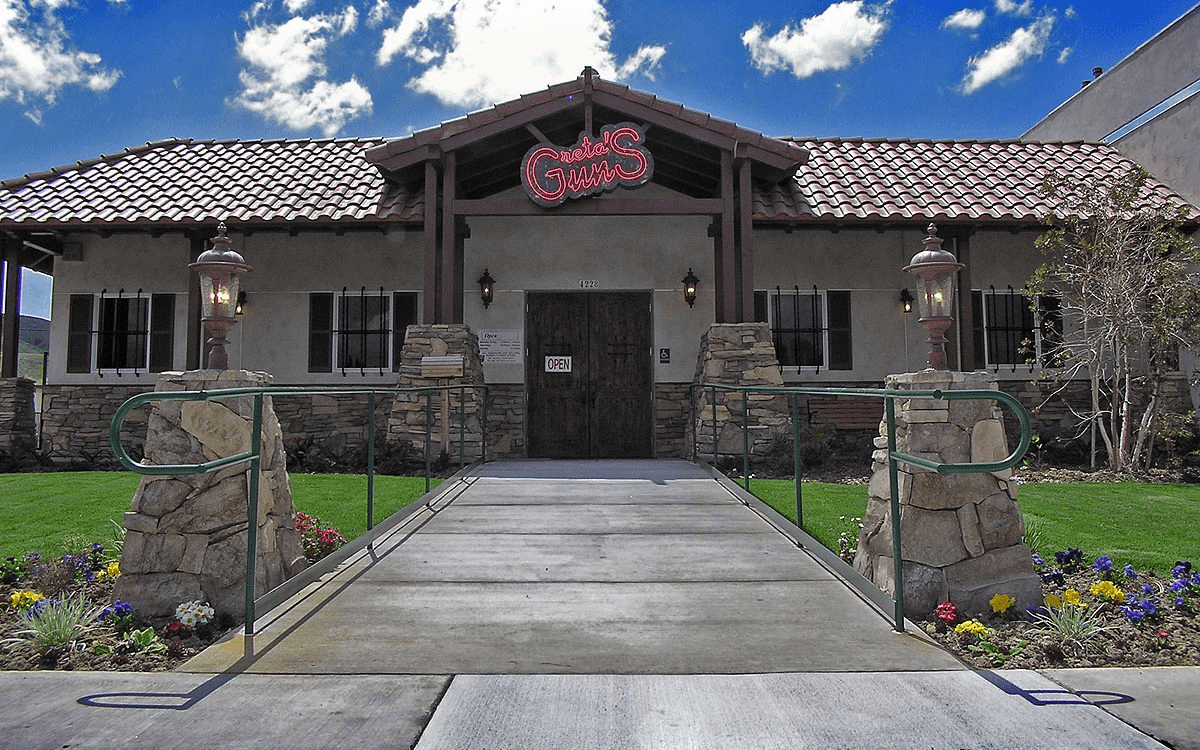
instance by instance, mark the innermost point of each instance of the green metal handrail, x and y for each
(254, 454)
(894, 456)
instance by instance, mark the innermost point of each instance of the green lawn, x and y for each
(1149, 526)
(40, 511)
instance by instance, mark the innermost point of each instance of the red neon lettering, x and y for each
(591, 166)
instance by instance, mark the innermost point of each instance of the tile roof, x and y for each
(321, 182)
(191, 181)
(848, 179)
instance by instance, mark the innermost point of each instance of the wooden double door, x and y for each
(589, 375)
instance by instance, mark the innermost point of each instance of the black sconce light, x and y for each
(906, 300)
(689, 288)
(487, 288)
(240, 308)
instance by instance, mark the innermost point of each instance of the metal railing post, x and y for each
(894, 485)
(695, 429)
(714, 416)
(428, 436)
(252, 513)
(796, 467)
(746, 440)
(370, 460)
(462, 426)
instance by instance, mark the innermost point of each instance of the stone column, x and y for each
(186, 535)
(18, 428)
(423, 363)
(960, 534)
(738, 354)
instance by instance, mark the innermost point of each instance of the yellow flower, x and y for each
(1001, 602)
(1053, 601)
(1108, 591)
(112, 570)
(25, 599)
(973, 627)
(1071, 596)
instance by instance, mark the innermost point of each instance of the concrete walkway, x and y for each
(580, 605)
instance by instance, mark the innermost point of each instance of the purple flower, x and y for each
(1178, 585)
(1103, 564)
(1147, 589)
(1037, 560)
(1130, 573)
(1180, 601)
(1133, 615)
(118, 610)
(1149, 607)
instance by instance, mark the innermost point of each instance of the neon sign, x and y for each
(617, 158)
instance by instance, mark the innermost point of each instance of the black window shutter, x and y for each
(977, 337)
(404, 305)
(320, 332)
(162, 332)
(79, 333)
(840, 346)
(760, 307)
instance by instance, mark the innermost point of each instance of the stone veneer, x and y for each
(335, 422)
(738, 354)
(18, 428)
(672, 412)
(960, 534)
(186, 535)
(408, 416)
(506, 420)
(76, 420)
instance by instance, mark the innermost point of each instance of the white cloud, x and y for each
(966, 19)
(476, 52)
(38, 58)
(999, 61)
(284, 78)
(1064, 55)
(844, 33)
(380, 12)
(1012, 8)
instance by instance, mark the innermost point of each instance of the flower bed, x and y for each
(60, 614)
(1094, 614)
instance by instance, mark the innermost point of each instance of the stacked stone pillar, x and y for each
(186, 535)
(960, 534)
(738, 354)
(423, 364)
(18, 428)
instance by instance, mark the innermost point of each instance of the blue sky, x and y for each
(80, 78)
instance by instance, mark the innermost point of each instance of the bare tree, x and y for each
(1130, 300)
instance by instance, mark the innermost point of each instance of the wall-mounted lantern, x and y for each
(906, 301)
(935, 270)
(689, 288)
(487, 288)
(240, 308)
(220, 269)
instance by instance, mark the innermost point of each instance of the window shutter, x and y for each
(320, 332)
(404, 305)
(162, 332)
(977, 337)
(79, 333)
(840, 346)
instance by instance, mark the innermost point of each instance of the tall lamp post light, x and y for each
(935, 270)
(220, 269)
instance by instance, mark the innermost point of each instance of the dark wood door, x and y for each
(601, 405)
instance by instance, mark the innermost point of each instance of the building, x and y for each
(1147, 106)
(587, 204)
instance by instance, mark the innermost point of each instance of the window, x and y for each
(358, 330)
(809, 329)
(1009, 333)
(120, 332)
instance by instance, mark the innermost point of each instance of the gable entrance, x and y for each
(589, 375)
